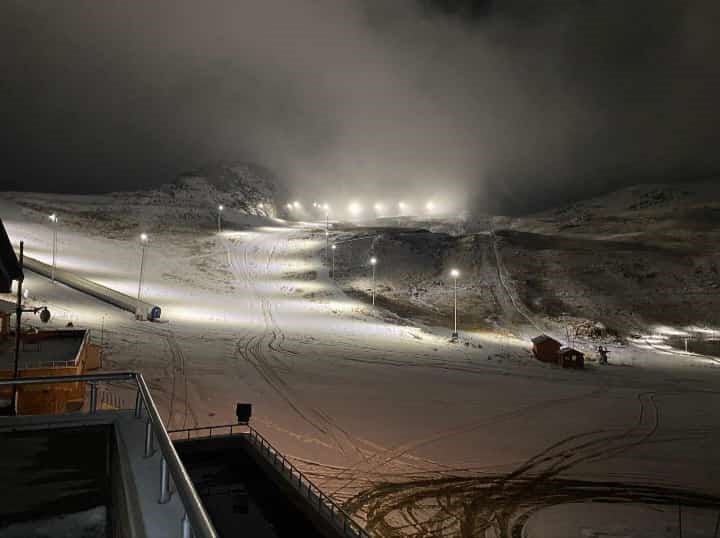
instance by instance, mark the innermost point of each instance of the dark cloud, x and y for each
(511, 103)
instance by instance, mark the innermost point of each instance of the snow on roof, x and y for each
(543, 338)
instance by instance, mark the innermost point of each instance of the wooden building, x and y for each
(7, 309)
(546, 348)
(51, 352)
(571, 358)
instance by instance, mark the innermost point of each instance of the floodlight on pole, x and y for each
(219, 217)
(354, 208)
(53, 218)
(373, 262)
(334, 248)
(430, 206)
(327, 228)
(143, 242)
(454, 273)
(296, 204)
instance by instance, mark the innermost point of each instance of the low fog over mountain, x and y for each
(506, 105)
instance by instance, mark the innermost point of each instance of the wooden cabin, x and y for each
(546, 348)
(571, 358)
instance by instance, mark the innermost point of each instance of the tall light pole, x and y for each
(143, 242)
(327, 228)
(455, 274)
(334, 247)
(373, 262)
(54, 220)
(18, 327)
(220, 210)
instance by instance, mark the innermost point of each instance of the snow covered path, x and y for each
(358, 402)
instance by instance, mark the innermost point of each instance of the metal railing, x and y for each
(48, 364)
(328, 508)
(195, 521)
(36, 346)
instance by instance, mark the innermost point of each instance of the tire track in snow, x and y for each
(402, 450)
(501, 504)
(264, 352)
(177, 369)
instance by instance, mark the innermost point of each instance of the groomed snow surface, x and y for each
(416, 434)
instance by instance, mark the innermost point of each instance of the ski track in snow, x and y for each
(268, 352)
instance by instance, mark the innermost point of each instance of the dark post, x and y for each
(18, 316)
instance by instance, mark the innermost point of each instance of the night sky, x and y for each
(520, 104)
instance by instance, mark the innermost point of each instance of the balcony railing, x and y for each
(195, 521)
(328, 508)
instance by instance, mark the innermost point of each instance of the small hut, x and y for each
(571, 358)
(546, 348)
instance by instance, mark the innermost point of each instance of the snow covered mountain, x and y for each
(247, 192)
(245, 187)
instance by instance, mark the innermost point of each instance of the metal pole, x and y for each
(455, 309)
(138, 405)
(54, 249)
(102, 341)
(93, 397)
(148, 438)
(186, 528)
(373, 286)
(680, 525)
(219, 221)
(18, 316)
(333, 263)
(327, 235)
(142, 262)
(164, 483)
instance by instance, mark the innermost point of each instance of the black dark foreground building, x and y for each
(9, 266)
(246, 484)
(113, 471)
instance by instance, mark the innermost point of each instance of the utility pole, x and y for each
(54, 220)
(327, 229)
(455, 309)
(102, 340)
(455, 274)
(18, 316)
(143, 240)
(373, 262)
(334, 248)
(219, 217)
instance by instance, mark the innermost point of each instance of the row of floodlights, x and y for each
(356, 208)
(296, 205)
